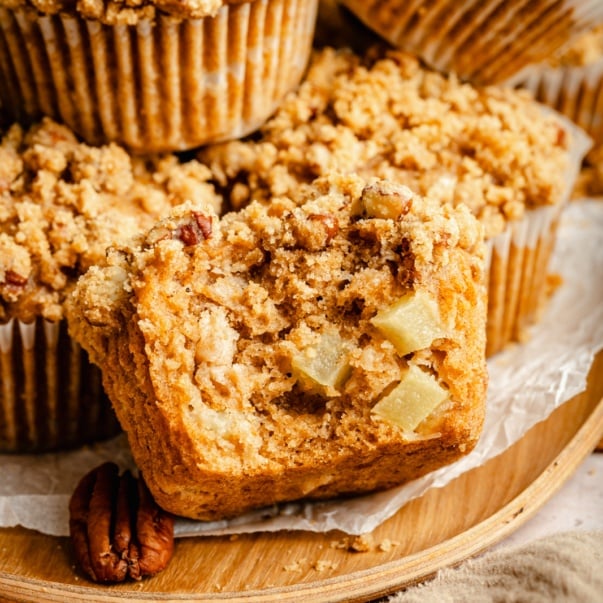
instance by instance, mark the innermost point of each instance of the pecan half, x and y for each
(196, 230)
(117, 530)
(12, 278)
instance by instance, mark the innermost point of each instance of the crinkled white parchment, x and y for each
(527, 382)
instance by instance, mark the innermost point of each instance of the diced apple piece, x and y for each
(416, 396)
(411, 323)
(323, 367)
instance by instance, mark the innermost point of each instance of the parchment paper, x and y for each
(527, 382)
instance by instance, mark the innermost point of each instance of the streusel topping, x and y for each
(384, 115)
(62, 203)
(124, 12)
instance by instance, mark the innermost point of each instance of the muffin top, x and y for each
(384, 115)
(125, 12)
(62, 203)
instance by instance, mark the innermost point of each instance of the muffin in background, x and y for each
(62, 203)
(571, 81)
(383, 114)
(152, 75)
(483, 41)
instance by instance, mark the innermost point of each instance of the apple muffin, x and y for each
(292, 351)
(62, 203)
(383, 114)
(485, 41)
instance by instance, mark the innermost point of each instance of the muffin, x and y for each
(571, 82)
(485, 41)
(291, 351)
(153, 75)
(61, 204)
(383, 114)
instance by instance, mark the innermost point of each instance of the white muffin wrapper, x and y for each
(576, 92)
(163, 85)
(51, 397)
(480, 40)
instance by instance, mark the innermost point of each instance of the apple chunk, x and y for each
(324, 366)
(416, 396)
(411, 323)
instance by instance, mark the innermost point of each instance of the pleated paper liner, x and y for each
(159, 85)
(576, 92)
(485, 41)
(518, 258)
(51, 397)
(518, 261)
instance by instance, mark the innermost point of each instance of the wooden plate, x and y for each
(439, 529)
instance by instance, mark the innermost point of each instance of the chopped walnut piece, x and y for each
(117, 530)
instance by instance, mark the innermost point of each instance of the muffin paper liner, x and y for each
(51, 397)
(517, 266)
(160, 85)
(576, 92)
(518, 259)
(484, 41)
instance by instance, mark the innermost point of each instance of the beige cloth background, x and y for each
(562, 568)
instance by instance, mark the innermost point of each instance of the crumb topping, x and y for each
(226, 305)
(385, 115)
(124, 12)
(62, 203)
(586, 49)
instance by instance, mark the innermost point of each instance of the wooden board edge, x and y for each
(374, 582)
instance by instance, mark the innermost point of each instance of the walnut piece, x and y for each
(117, 530)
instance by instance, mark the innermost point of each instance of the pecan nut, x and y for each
(117, 529)
(197, 229)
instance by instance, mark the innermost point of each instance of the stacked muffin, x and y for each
(150, 76)
(325, 331)
(153, 75)
(483, 41)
